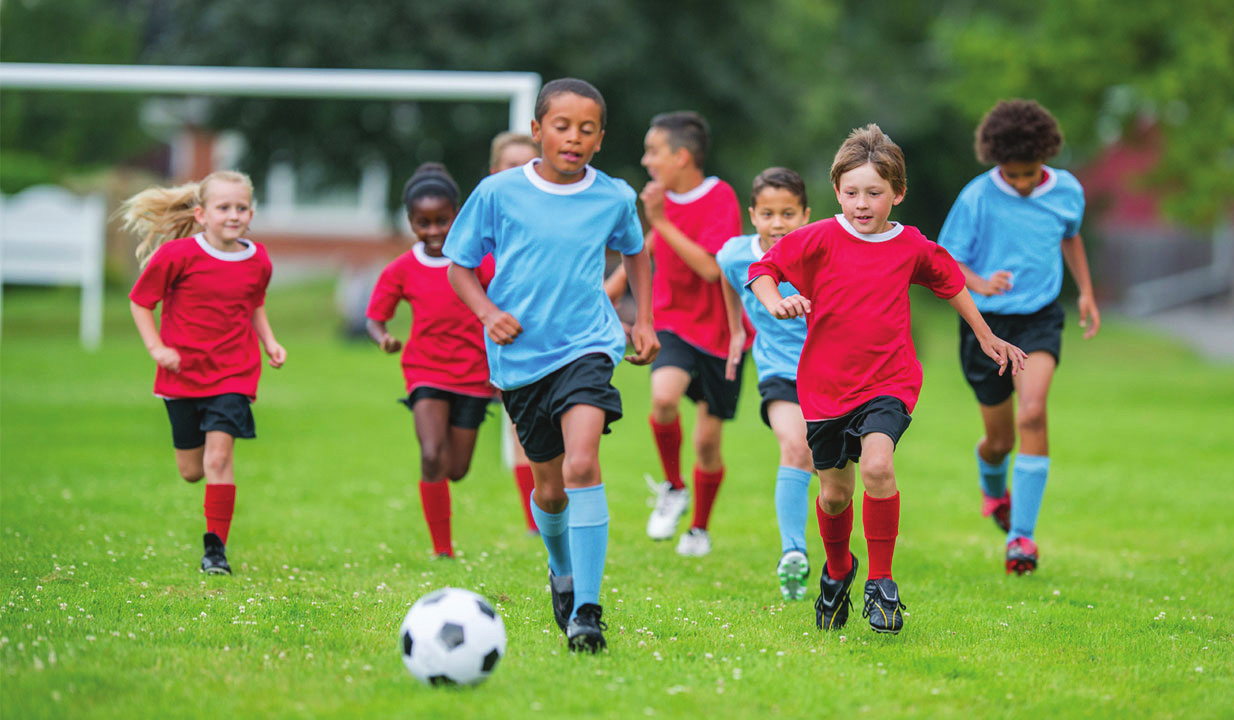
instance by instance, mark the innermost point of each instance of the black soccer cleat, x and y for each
(882, 606)
(833, 603)
(562, 589)
(214, 561)
(586, 630)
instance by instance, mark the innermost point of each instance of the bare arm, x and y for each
(767, 291)
(167, 358)
(997, 349)
(380, 335)
(736, 328)
(643, 334)
(501, 326)
(997, 284)
(261, 323)
(1077, 263)
(616, 283)
(695, 256)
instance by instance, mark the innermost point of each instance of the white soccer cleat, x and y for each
(694, 543)
(670, 506)
(793, 570)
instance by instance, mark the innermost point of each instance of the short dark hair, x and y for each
(430, 180)
(782, 179)
(1017, 131)
(870, 145)
(574, 86)
(686, 129)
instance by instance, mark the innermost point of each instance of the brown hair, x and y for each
(1017, 131)
(505, 140)
(159, 214)
(782, 179)
(870, 145)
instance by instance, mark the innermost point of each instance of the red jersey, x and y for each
(209, 297)
(446, 347)
(858, 345)
(684, 303)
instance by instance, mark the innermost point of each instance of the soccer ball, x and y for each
(452, 637)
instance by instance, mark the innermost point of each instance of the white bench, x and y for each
(49, 236)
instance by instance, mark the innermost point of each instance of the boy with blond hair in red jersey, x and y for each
(691, 215)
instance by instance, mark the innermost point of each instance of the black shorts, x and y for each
(707, 382)
(776, 388)
(835, 442)
(1034, 332)
(536, 409)
(466, 411)
(192, 418)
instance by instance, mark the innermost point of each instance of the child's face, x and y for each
(513, 155)
(776, 213)
(225, 212)
(569, 134)
(430, 218)
(1023, 176)
(866, 199)
(663, 163)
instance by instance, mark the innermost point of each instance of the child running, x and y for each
(444, 365)
(778, 206)
(553, 337)
(1006, 229)
(691, 216)
(859, 377)
(212, 285)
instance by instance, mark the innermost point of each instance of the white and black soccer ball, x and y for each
(452, 637)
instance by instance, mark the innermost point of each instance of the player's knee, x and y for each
(192, 474)
(1031, 417)
(797, 455)
(663, 408)
(459, 470)
(999, 446)
(583, 470)
(835, 499)
(216, 463)
(878, 476)
(551, 500)
(432, 462)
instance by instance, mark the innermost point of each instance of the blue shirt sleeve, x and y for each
(473, 234)
(627, 237)
(960, 229)
(1072, 225)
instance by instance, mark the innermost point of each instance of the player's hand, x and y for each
(736, 348)
(1090, 319)
(501, 327)
(277, 354)
(391, 344)
(167, 358)
(653, 200)
(793, 306)
(997, 284)
(1005, 354)
(646, 344)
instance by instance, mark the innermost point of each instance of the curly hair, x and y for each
(1017, 131)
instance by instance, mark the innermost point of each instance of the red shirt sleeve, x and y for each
(156, 280)
(785, 261)
(386, 295)
(938, 271)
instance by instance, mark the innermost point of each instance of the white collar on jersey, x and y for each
(896, 229)
(1050, 181)
(250, 249)
(690, 196)
(756, 247)
(529, 170)
(428, 260)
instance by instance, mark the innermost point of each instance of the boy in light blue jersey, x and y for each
(777, 207)
(553, 337)
(1006, 230)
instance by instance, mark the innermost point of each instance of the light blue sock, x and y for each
(993, 477)
(588, 542)
(1027, 487)
(553, 527)
(792, 507)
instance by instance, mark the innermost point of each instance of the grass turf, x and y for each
(104, 615)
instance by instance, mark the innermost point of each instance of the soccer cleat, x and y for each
(695, 542)
(882, 606)
(1021, 556)
(793, 569)
(586, 629)
(562, 589)
(997, 508)
(833, 603)
(670, 506)
(214, 561)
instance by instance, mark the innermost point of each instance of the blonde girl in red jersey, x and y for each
(212, 282)
(444, 363)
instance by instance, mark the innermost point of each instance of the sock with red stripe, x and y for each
(668, 442)
(881, 519)
(706, 487)
(219, 506)
(526, 483)
(435, 500)
(836, 530)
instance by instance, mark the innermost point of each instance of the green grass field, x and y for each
(104, 614)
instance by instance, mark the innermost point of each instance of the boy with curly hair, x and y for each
(1011, 229)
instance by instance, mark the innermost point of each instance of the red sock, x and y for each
(435, 499)
(668, 442)
(526, 483)
(219, 506)
(836, 531)
(706, 486)
(881, 518)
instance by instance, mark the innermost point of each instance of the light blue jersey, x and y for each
(548, 242)
(777, 343)
(992, 227)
